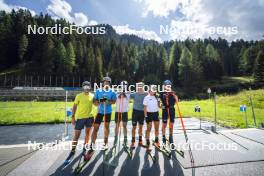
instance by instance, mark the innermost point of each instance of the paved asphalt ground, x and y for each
(245, 157)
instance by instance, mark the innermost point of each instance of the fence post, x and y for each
(214, 127)
(65, 119)
(252, 110)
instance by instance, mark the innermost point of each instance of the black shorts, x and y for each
(165, 115)
(123, 115)
(80, 123)
(100, 117)
(152, 116)
(137, 117)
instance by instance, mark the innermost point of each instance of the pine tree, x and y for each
(98, 65)
(70, 58)
(60, 58)
(175, 54)
(47, 56)
(89, 64)
(185, 68)
(79, 54)
(259, 68)
(22, 47)
(212, 65)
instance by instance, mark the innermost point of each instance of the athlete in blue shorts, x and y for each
(104, 98)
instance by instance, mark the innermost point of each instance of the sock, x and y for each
(91, 146)
(148, 142)
(105, 140)
(163, 138)
(170, 137)
(140, 139)
(73, 150)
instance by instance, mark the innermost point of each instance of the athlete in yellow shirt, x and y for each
(83, 113)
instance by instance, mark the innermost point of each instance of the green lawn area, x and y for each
(228, 113)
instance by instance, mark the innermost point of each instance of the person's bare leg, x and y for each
(140, 130)
(95, 131)
(76, 137)
(87, 136)
(171, 128)
(164, 125)
(134, 131)
(171, 133)
(124, 124)
(149, 126)
(124, 128)
(140, 134)
(156, 127)
(133, 136)
(116, 128)
(106, 132)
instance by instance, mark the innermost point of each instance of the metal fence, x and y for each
(33, 80)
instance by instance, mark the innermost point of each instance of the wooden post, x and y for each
(252, 110)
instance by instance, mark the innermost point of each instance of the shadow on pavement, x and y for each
(131, 166)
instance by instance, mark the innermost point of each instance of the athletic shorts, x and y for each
(100, 117)
(152, 117)
(80, 123)
(123, 115)
(137, 117)
(165, 115)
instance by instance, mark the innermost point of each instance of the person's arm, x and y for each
(74, 109)
(96, 99)
(145, 111)
(145, 107)
(113, 98)
(159, 103)
(175, 97)
(94, 111)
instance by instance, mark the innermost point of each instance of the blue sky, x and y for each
(145, 18)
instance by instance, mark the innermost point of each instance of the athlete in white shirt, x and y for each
(151, 112)
(122, 107)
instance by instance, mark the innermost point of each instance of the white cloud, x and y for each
(201, 15)
(149, 35)
(92, 23)
(62, 9)
(8, 7)
(161, 8)
(80, 19)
